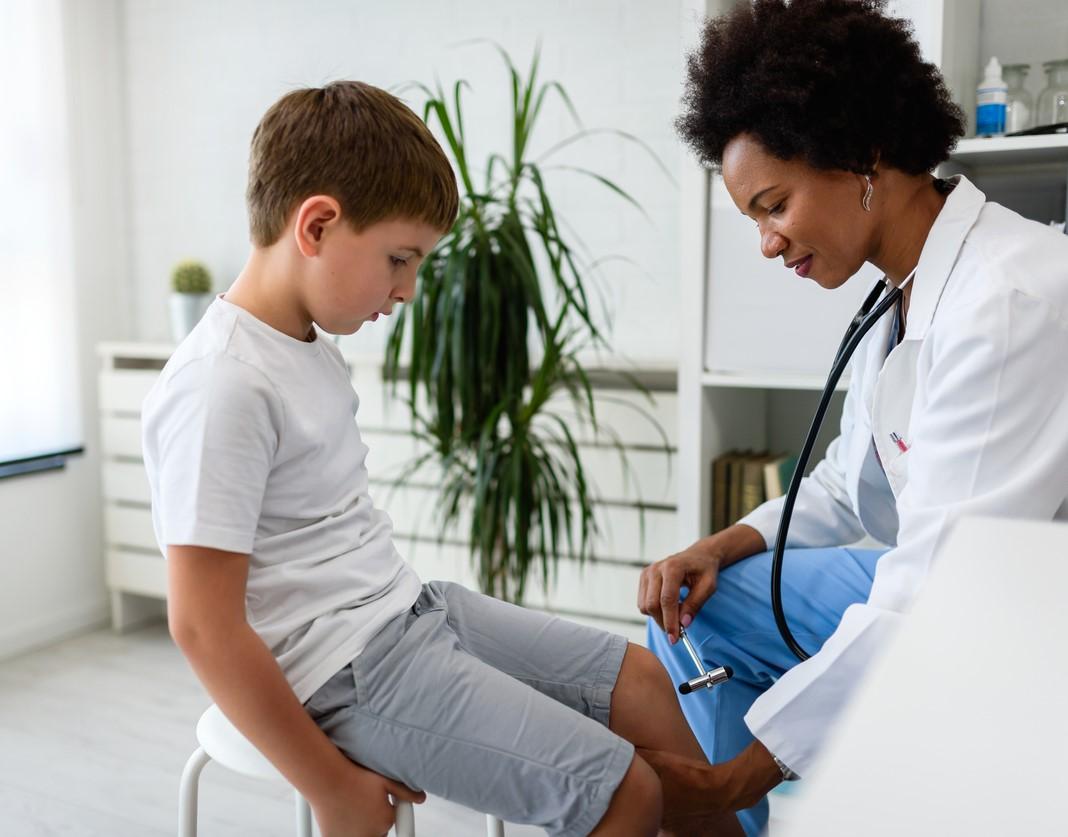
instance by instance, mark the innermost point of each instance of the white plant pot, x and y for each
(186, 311)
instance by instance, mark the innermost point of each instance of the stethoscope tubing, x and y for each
(860, 325)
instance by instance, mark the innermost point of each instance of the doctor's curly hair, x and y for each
(836, 83)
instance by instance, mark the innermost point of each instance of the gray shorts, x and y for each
(498, 708)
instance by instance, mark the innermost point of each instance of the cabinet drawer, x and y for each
(126, 481)
(127, 526)
(124, 390)
(136, 572)
(120, 436)
(648, 476)
(414, 514)
(599, 590)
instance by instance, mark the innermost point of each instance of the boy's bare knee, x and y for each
(637, 805)
(642, 675)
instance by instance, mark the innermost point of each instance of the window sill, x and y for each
(37, 464)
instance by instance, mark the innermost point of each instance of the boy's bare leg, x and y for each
(645, 710)
(636, 807)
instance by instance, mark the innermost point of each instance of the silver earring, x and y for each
(866, 200)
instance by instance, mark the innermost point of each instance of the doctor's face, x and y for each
(810, 218)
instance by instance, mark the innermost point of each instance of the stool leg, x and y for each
(187, 793)
(304, 817)
(404, 815)
(494, 827)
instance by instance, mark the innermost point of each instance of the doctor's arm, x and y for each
(823, 516)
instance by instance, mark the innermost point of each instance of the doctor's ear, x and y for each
(313, 218)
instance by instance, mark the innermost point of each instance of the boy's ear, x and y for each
(314, 216)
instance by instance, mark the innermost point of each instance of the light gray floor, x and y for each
(94, 732)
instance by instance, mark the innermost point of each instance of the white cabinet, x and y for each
(636, 508)
(757, 341)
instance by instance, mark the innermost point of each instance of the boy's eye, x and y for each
(396, 262)
(775, 210)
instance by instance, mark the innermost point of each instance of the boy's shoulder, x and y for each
(214, 363)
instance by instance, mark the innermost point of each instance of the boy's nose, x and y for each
(406, 290)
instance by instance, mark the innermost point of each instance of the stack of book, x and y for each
(742, 480)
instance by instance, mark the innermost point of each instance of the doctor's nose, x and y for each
(772, 244)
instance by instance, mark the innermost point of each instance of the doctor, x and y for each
(826, 124)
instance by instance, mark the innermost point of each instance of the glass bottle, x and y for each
(1053, 101)
(1019, 106)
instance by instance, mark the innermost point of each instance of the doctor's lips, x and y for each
(801, 266)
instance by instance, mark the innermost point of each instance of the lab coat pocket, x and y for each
(897, 472)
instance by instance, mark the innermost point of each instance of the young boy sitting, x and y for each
(286, 593)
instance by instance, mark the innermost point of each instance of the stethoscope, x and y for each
(861, 324)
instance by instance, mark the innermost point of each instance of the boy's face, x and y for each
(359, 276)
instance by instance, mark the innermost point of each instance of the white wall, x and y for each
(51, 569)
(200, 73)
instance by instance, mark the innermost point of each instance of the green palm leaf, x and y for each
(490, 343)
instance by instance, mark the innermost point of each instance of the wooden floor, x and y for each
(94, 733)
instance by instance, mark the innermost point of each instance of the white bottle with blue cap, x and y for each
(992, 97)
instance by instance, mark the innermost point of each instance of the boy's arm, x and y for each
(206, 617)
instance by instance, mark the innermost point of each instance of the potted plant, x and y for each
(490, 347)
(190, 297)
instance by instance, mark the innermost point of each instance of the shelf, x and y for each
(1007, 151)
(143, 351)
(769, 380)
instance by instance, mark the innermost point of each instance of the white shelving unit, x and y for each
(1012, 151)
(757, 343)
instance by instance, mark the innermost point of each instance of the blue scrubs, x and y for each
(736, 627)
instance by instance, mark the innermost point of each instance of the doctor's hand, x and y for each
(695, 791)
(696, 568)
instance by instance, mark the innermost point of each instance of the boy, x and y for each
(286, 593)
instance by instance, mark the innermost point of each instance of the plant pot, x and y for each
(186, 311)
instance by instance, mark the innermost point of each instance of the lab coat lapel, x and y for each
(895, 386)
(940, 252)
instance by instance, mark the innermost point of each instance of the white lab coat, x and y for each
(978, 391)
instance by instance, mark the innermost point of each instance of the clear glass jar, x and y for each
(1019, 105)
(1053, 101)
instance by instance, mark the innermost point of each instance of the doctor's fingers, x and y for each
(649, 594)
(649, 588)
(702, 585)
(672, 576)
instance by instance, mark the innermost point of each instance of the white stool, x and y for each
(220, 740)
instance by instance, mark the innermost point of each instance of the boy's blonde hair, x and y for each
(356, 143)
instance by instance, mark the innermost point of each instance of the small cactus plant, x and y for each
(191, 277)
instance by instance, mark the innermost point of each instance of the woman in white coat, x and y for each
(826, 123)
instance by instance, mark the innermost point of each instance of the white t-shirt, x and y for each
(251, 446)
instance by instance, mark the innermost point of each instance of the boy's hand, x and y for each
(358, 804)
